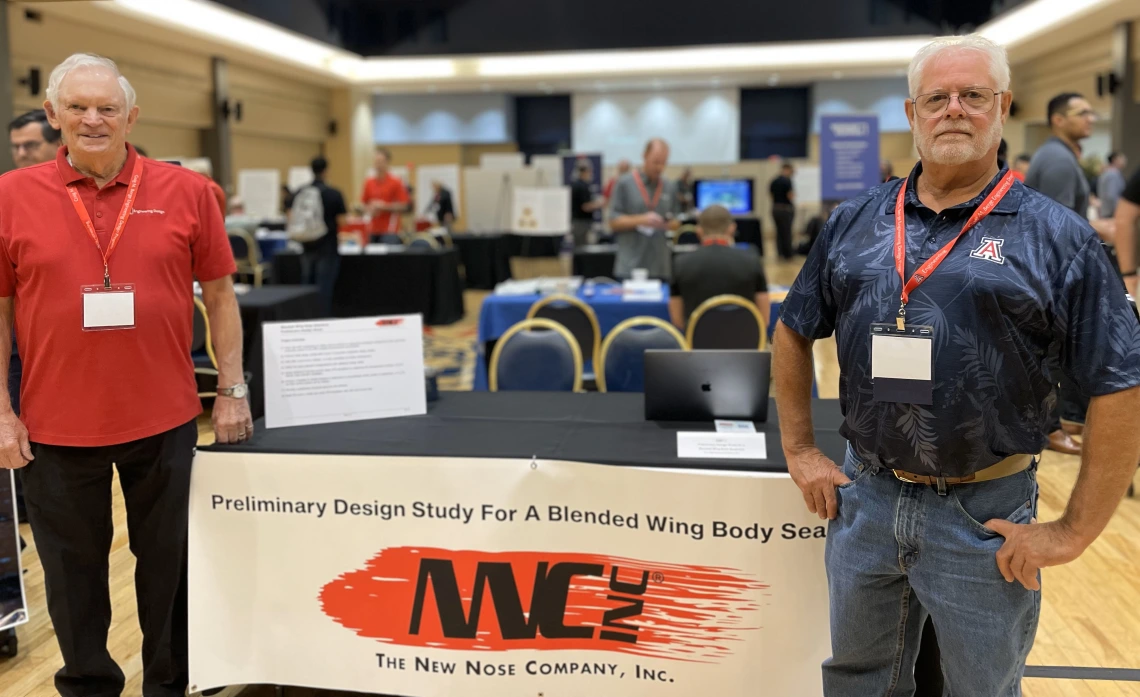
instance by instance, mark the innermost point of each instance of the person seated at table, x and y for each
(717, 268)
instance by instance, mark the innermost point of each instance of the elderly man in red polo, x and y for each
(99, 251)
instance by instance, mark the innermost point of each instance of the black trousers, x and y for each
(782, 215)
(68, 494)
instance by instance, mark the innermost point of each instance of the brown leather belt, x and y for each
(1009, 466)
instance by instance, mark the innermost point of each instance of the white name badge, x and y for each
(902, 364)
(108, 308)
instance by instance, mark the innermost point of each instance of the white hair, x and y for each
(79, 60)
(999, 61)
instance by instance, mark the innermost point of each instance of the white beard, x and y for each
(959, 151)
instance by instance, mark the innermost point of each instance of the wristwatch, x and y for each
(238, 391)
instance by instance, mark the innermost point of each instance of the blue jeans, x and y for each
(898, 553)
(321, 269)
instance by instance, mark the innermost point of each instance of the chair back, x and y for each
(622, 364)
(688, 234)
(387, 238)
(422, 241)
(536, 355)
(244, 246)
(201, 338)
(727, 322)
(576, 316)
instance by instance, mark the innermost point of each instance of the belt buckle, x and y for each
(904, 477)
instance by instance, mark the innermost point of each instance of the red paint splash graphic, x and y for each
(498, 601)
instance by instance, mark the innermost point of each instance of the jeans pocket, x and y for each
(854, 468)
(1011, 498)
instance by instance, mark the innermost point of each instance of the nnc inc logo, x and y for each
(464, 599)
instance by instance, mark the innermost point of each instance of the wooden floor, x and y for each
(1090, 612)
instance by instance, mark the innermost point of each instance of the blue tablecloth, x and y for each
(500, 312)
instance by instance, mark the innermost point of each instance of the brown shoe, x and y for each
(1062, 442)
(1073, 428)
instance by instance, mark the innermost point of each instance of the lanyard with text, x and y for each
(923, 272)
(645, 194)
(120, 223)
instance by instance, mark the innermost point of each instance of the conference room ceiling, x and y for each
(453, 27)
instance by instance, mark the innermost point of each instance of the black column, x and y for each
(1125, 108)
(7, 103)
(216, 142)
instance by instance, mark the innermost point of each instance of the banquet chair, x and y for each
(687, 234)
(576, 316)
(727, 322)
(202, 347)
(621, 367)
(421, 240)
(247, 255)
(391, 238)
(536, 355)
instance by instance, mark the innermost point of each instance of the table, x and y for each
(597, 427)
(597, 260)
(412, 281)
(751, 231)
(569, 486)
(270, 304)
(486, 259)
(271, 243)
(500, 312)
(545, 245)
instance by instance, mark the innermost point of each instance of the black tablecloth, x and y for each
(424, 282)
(486, 259)
(602, 428)
(270, 304)
(751, 231)
(533, 245)
(598, 260)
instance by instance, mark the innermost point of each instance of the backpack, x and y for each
(307, 217)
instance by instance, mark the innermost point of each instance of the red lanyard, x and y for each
(645, 194)
(924, 271)
(713, 242)
(124, 213)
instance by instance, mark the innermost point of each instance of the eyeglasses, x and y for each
(29, 146)
(974, 101)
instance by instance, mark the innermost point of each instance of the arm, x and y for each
(622, 221)
(1127, 213)
(812, 471)
(677, 312)
(1108, 461)
(764, 304)
(232, 420)
(15, 449)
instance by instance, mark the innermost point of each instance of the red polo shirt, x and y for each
(83, 388)
(389, 190)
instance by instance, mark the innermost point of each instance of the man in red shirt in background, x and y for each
(99, 250)
(385, 197)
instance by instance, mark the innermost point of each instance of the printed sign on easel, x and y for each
(544, 211)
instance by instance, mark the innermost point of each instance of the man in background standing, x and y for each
(1111, 184)
(385, 197)
(623, 167)
(320, 263)
(583, 202)
(783, 210)
(645, 205)
(1055, 171)
(442, 206)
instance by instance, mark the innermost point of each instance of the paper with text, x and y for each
(355, 369)
(722, 446)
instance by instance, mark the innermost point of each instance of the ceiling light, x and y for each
(806, 54)
(773, 80)
(1033, 18)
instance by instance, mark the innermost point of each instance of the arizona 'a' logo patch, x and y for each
(990, 250)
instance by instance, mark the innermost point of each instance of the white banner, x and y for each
(435, 577)
(541, 211)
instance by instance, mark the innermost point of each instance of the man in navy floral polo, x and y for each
(946, 393)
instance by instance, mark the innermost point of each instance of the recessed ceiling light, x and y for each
(773, 80)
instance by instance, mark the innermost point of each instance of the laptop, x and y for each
(707, 385)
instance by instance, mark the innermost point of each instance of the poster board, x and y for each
(540, 211)
(260, 189)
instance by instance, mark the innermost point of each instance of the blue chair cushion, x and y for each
(625, 357)
(727, 327)
(536, 360)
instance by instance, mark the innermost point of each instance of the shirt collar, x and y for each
(1008, 204)
(716, 242)
(70, 175)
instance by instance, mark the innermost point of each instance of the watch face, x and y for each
(238, 391)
